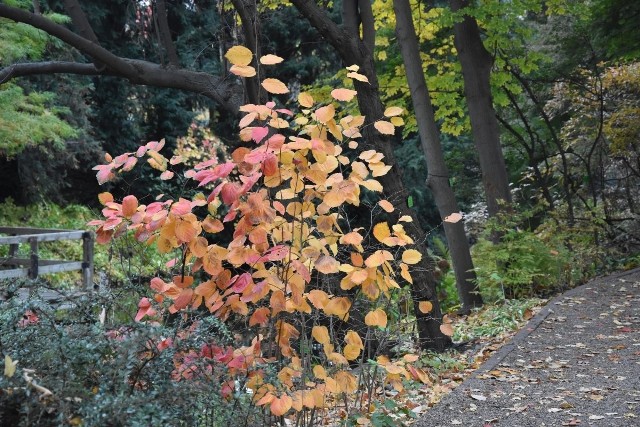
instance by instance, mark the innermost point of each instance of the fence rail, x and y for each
(33, 266)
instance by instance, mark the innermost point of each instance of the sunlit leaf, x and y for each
(385, 127)
(425, 306)
(321, 334)
(105, 198)
(270, 59)
(411, 256)
(453, 218)
(357, 76)
(274, 86)
(342, 94)
(386, 205)
(381, 231)
(9, 366)
(280, 405)
(393, 111)
(446, 329)
(377, 317)
(305, 100)
(239, 55)
(243, 70)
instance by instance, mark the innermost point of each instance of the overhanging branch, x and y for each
(223, 91)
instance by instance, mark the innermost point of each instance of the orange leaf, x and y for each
(198, 246)
(377, 317)
(243, 70)
(260, 316)
(270, 59)
(394, 369)
(318, 298)
(385, 127)
(129, 206)
(453, 218)
(105, 198)
(338, 306)
(352, 337)
(378, 258)
(381, 231)
(446, 329)
(351, 352)
(212, 225)
(326, 113)
(305, 100)
(185, 231)
(321, 334)
(239, 55)
(280, 406)
(343, 94)
(347, 381)
(319, 372)
(386, 205)
(274, 86)
(425, 306)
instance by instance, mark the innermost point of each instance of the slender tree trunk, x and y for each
(355, 49)
(476, 65)
(438, 177)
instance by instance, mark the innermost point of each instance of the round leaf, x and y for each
(411, 256)
(239, 55)
(274, 86)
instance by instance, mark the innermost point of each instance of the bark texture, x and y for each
(438, 175)
(476, 64)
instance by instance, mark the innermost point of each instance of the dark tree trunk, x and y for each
(356, 50)
(438, 177)
(476, 65)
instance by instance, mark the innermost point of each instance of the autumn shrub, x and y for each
(270, 249)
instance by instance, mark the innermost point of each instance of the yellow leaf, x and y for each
(394, 369)
(381, 231)
(347, 381)
(404, 272)
(353, 68)
(453, 218)
(305, 100)
(378, 258)
(239, 55)
(397, 121)
(270, 59)
(338, 306)
(377, 317)
(321, 334)
(358, 77)
(411, 256)
(446, 329)
(385, 127)
(386, 205)
(319, 372)
(372, 185)
(393, 111)
(243, 70)
(425, 306)
(342, 94)
(405, 218)
(9, 366)
(274, 86)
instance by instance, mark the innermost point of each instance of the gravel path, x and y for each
(576, 363)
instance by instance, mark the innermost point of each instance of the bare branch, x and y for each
(53, 67)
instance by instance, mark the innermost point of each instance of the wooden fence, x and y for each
(14, 266)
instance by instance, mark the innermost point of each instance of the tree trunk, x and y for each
(476, 65)
(354, 50)
(438, 174)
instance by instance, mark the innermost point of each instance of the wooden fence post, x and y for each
(87, 260)
(33, 269)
